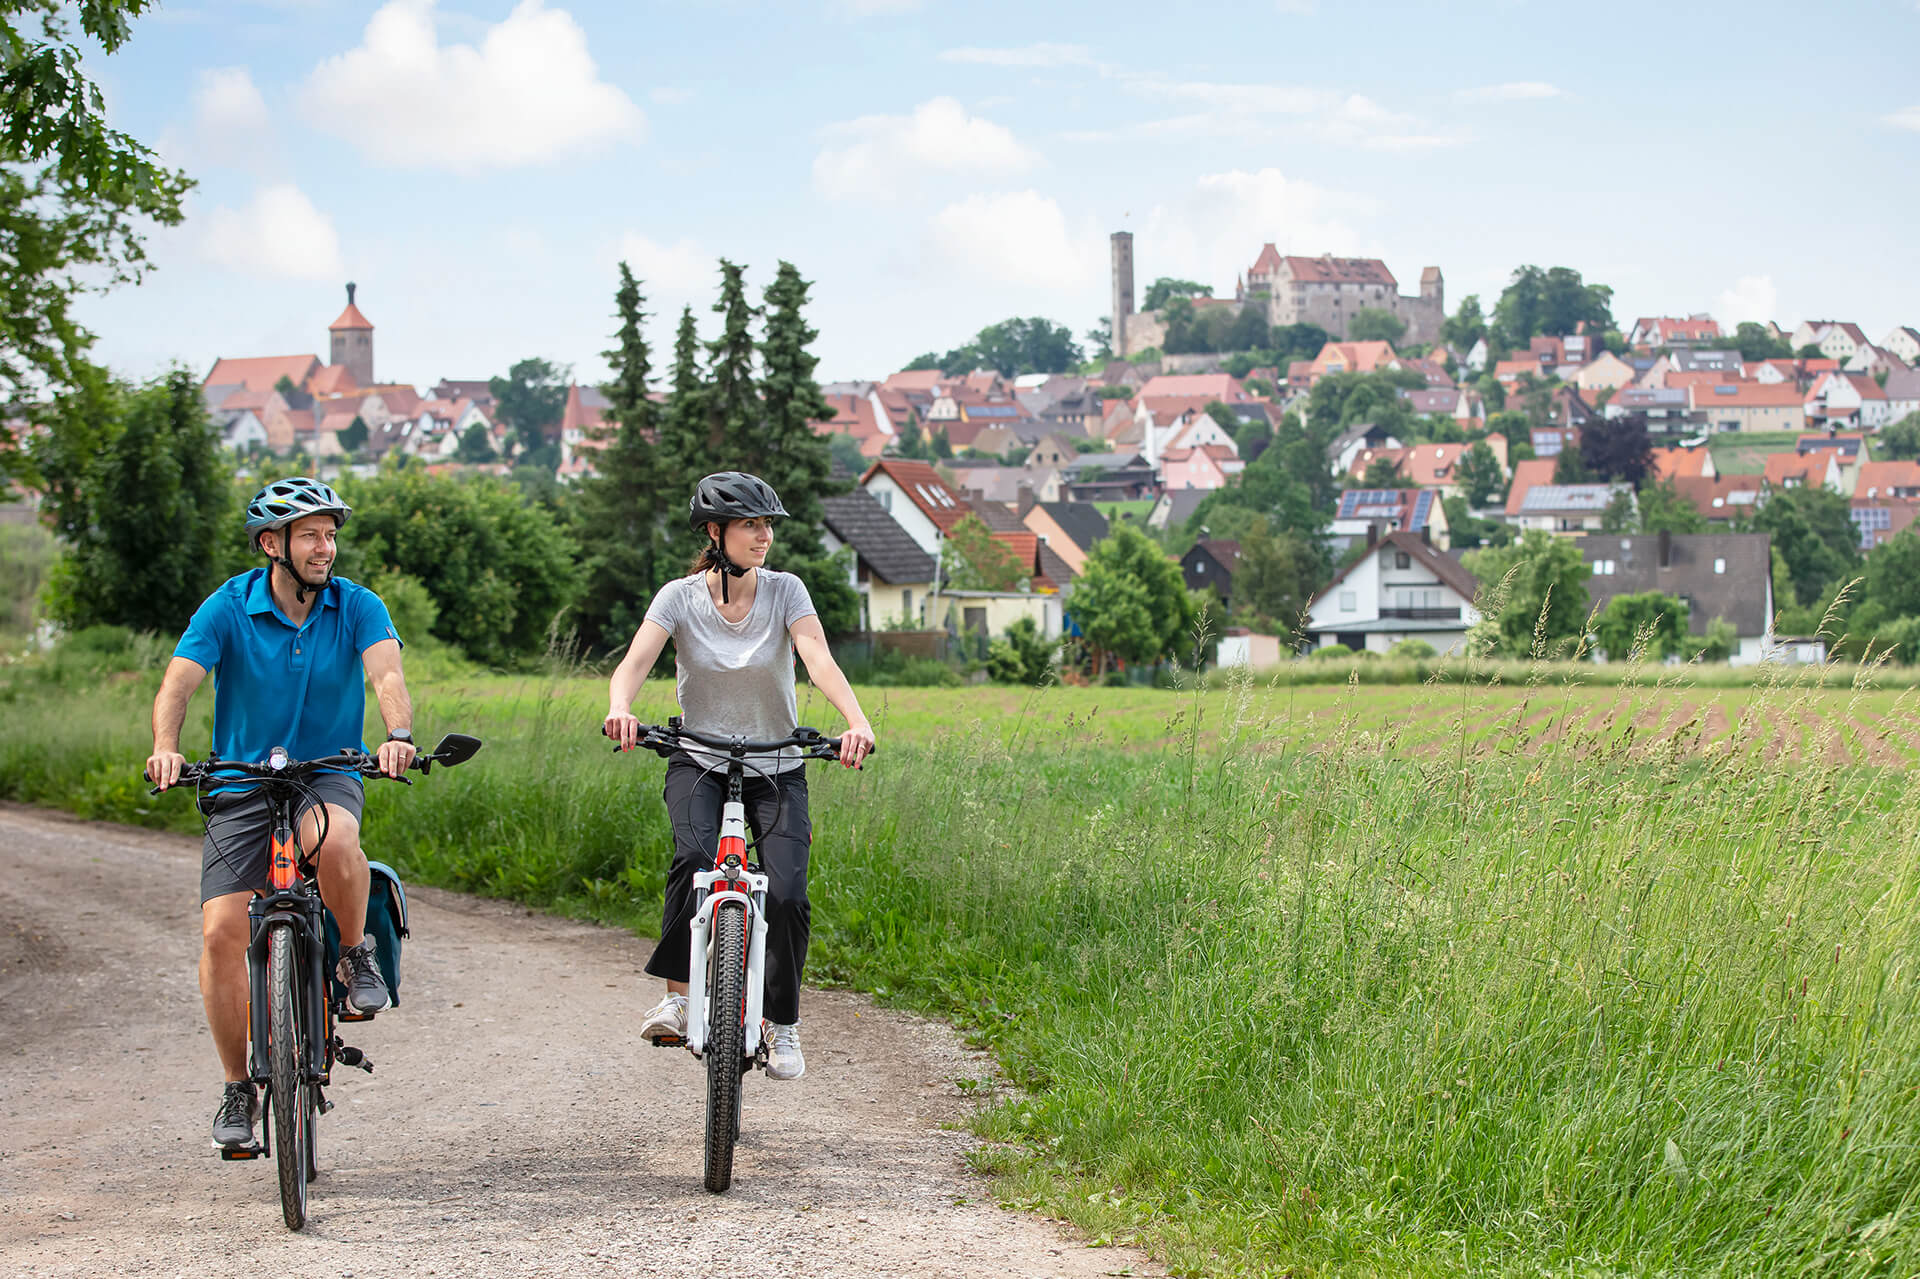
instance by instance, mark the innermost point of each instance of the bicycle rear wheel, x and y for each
(726, 1040)
(287, 1092)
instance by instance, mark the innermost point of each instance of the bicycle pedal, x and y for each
(241, 1152)
(346, 1015)
(669, 1041)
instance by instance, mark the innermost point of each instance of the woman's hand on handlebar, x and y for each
(856, 743)
(624, 728)
(163, 768)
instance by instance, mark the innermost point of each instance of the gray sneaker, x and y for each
(233, 1122)
(359, 972)
(784, 1058)
(666, 1019)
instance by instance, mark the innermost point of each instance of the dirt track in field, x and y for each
(514, 1125)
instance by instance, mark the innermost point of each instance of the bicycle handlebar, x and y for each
(662, 741)
(454, 748)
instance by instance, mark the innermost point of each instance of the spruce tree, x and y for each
(733, 402)
(792, 456)
(686, 442)
(623, 508)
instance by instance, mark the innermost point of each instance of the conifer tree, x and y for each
(624, 508)
(792, 456)
(686, 442)
(733, 402)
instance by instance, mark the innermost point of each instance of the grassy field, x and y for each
(1740, 453)
(1400, 980)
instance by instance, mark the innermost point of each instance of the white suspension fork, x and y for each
(733, 843)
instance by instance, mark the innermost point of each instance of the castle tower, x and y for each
(1122, 289)
(1433, 306)
(352, 342)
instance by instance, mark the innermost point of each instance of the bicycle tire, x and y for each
(726, 1040)
(287, 1091)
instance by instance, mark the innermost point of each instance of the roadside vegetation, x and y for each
(1419, 980)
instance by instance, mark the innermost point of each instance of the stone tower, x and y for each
(352, 342)
(1122, 289)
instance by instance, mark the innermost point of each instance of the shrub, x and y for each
(1331, 652)
(1412, 650)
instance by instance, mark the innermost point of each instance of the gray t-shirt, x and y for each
(735, 678)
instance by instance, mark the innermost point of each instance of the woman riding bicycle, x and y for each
(735, 627)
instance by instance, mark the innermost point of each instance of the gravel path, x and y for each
(514, 1126)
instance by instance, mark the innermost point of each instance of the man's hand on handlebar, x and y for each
(163, 768)
(395, 757)
(624, 728)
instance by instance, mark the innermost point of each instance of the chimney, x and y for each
(350, 288)
(1426, 535)
(1373, 536)
(1027, 501)
(1666, 549)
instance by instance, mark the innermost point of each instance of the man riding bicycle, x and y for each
(287, 644)
(735, 627)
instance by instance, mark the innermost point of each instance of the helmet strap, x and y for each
(301, 589)
(728, 569)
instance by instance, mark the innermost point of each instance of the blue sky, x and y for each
(479, 168)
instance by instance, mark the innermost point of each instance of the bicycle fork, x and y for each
(731, 880)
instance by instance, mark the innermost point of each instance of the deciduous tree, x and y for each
(1371, 324)
(1543, 579)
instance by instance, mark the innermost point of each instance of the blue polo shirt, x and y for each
(277, 684)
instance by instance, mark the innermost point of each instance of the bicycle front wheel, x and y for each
(726, 1040)
(287, 1092)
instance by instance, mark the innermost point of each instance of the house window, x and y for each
(884, 497)
(906, 604)
(1719, 566)
(1348, 602)
(1604, 568)
(1402, 560)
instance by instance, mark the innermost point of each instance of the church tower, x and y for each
(352, 342)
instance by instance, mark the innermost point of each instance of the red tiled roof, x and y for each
(1745, 395)
(1211, 386)
(1267, 263)
(1879, 479)
(350, 319)
(1809, 469)
(922, 484)
(1671, 464)
(1679, 379)
(334, 379)
(1355, 357)
(1711, 497)
(579, 415)
(915, 380)
(247, 400)
(1332, 270)
(1535, 470)
(261, 373)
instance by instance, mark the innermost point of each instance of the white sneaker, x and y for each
(784, 1058)
(666, 1019)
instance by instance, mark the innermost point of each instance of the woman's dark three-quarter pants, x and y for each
(694, 796)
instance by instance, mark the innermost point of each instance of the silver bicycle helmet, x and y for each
(280, 504)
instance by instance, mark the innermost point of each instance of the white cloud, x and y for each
(1017, 238)
(1266, 111)
(278, 235)
(230, 126)
(528, 93)
(1905, 119)
(680, 268)
(1215, 231)
(1512, 91)
(1752, 297)
(885, 155)
(1026, 55)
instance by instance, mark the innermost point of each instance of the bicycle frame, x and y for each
(292, 897)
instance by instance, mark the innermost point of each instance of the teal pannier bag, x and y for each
(386, 924)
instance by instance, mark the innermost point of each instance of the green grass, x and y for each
(1139, 509)
(1308, 980)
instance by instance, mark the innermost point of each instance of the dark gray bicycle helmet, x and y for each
(731, 495)
(284, 501)
(720, 499)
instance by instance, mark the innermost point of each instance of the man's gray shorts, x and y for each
(233, 858)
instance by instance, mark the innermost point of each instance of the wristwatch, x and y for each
(400, 735)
